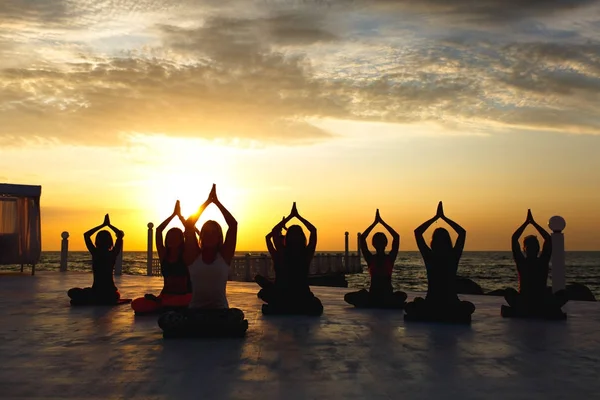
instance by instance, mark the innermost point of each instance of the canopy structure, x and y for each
(20, 225)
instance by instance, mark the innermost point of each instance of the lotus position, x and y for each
(441, 260)
(104, 255)
(208, 263)
(381, 293)
(292, 256)
(534, 298)
(177, 288)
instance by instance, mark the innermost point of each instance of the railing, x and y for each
(245, 268)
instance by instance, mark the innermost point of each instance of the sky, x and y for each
(344, 106)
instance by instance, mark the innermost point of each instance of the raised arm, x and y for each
(462, 234)
(547, 246)
(228, 250)
(87, 236)
(191, 249)
(516, 246)
(160, 247)
(395, 237)
(275, 234)
(423, 248)
(312, 240)
(118, 246)
(364, 246)
(119, 242)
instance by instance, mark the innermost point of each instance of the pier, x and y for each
(52, 351)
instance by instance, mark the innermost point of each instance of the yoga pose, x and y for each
(441, 260)
(292, 256)
(208, 263)
(104, 255)
(177, 288)
(381, 293)
(534, 298)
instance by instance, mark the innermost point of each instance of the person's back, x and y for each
(380, 268)
(209, 283)
(176, 277)
(441, 276)
(533, 276)
(103, 263)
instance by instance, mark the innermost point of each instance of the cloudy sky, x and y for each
(344, 106)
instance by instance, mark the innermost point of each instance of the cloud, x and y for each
(469, 11)
(256, 74)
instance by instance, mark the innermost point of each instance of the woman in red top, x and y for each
(177, 290)
(381, 293)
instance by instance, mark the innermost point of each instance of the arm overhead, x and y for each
(191, 249)
(462, 234)
(229, 245)
(364, 246)
(516, 247)
(547, 246)
(118, 233)
(160, 247)
(312, 241)
(395, 236)
(423, 248)
(275, 234)
(87, 236)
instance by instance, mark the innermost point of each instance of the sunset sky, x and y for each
(124, 106)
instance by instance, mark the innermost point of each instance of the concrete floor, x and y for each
(50, 350)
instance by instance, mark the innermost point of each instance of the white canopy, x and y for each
(20, 224)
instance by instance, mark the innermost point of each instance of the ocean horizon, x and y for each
(490, 269)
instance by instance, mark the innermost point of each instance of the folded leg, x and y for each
(357, 299)
(143, 305)
(176, 300)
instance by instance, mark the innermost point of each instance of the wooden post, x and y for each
(358, 244)
(346, 253)
(64, 251)
(119, 263)
(557, 224)
(150, 249)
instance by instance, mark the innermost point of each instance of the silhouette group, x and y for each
(195, 266)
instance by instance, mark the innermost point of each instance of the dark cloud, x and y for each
(477, 11)
(48, 12)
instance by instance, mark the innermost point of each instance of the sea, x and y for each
(490, 269)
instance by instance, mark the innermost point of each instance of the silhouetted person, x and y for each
(208, 264)
(177, 287)
(104, 256)
(381, 293)
(292, 256)
(534, 298)
(275, 243)
(441, 261)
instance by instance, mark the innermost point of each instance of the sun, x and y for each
(185, 170)
(191, 193)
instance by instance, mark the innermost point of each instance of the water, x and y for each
(491, 270)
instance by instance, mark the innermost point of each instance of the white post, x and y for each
(64, 251)
(150, 248)
(557, 224)
(119, 263)
(346, 253)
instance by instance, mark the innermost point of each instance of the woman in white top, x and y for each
(208, 262)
